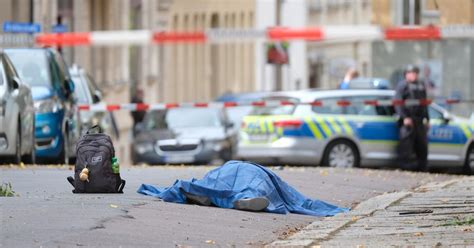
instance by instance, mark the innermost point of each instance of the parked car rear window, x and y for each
(32, 66)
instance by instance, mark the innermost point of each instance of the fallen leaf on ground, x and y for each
(467, 230)
(113, 206)
(210, 241)
(323, 173)
(419, 234)
(355, 218)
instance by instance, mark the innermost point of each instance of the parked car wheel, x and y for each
(65, 153)
(227, 154)
(341, 154)
(469, 164)
(17, 157)
(31, 157)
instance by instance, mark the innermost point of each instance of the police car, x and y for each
(342, 129)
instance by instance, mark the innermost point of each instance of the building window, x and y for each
(411, 12)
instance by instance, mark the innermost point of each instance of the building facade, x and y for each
(328, 61)
(449, 62)
(201, 72)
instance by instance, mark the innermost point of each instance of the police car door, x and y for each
(376, 129)
(446, 139)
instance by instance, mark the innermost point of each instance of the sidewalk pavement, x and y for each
(433, 215)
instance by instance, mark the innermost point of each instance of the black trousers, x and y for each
(413, 141)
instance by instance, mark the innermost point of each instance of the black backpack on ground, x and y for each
(95, 151)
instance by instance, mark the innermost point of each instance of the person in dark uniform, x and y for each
(414, 120)
(137, 116)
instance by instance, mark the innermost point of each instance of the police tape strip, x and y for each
(273, 103)
(324, 33)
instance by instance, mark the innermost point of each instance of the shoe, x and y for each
(252, 204)
(199, 200)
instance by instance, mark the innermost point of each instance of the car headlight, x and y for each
(51, 105)
(143, 148)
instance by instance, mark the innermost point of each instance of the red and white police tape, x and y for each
(271, 103)
(323, 33)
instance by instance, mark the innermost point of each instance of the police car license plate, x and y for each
(174, 159)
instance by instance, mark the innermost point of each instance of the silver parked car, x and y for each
(339, 135)
(184, 136)
(17, 115)
(87, 92)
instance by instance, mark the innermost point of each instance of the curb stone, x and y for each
(325, 228)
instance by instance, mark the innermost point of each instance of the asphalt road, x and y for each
(47, 214)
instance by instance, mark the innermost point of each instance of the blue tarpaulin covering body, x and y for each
(240, 180)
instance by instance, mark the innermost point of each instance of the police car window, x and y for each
(434, 114)
(360, 108)
(277, 109)
(330, 106)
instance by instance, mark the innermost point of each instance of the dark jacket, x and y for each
(137, 116)
(411, 91)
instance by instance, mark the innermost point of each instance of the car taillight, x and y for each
(292, 124)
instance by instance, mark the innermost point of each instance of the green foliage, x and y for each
(6, 190)
(467, 221)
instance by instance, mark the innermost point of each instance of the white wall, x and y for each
(293, 14)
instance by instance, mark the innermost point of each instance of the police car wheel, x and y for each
(341, 154)
(469, 166)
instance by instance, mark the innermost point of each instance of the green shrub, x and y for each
(6, 190)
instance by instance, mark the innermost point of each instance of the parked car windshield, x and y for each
(181, 118)
(81, 91)
(32, 66)
(193, 117)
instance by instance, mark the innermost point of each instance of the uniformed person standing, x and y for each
(414, 120)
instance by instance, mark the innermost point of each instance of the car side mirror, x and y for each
(16, 83)
(447, 118)
(97, 97)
